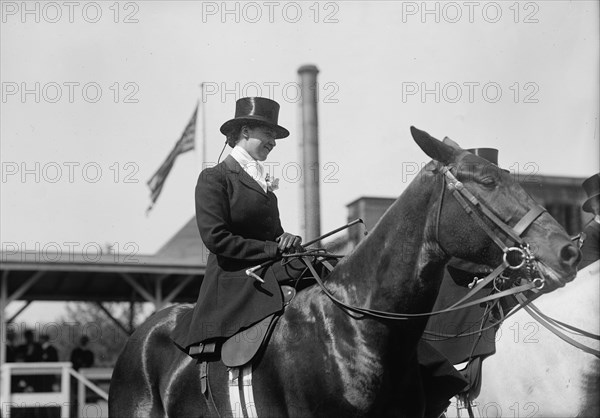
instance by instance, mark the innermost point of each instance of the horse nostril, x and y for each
(570, 255)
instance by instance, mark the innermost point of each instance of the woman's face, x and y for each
(258, 141)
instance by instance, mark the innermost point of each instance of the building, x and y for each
(561, 196)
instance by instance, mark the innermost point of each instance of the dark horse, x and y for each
(321, 361)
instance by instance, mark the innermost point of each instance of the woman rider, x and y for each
(238, 220)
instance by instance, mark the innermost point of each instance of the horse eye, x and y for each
(488, 181)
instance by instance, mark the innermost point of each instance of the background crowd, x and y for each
(31, 349)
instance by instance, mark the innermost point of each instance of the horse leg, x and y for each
(131, 393)
(180, 390)
(143, 373)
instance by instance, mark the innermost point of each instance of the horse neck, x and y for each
(398, 267)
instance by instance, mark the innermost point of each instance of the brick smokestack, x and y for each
(310, 202)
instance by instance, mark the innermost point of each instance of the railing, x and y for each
(83, 381)
(60, 399)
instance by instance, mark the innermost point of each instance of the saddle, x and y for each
(242, 347)
(239, 349)
(240, 352)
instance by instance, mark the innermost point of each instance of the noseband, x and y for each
(516, 257)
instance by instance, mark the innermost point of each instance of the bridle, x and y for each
(512, 254)
(516, 257)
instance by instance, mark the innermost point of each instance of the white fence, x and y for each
(54, 399)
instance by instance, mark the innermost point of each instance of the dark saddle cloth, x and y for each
(240, 348)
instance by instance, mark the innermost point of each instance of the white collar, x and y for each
(242, 156)
(597, 218)
(254, 168)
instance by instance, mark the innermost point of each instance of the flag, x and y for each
(185, 144)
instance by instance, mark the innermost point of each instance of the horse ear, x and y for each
(435, 148)
(450, 142)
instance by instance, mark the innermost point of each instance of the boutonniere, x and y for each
(272, 185)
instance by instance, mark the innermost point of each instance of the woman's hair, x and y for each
(233, 136)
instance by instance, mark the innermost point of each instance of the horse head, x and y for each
(485, 216)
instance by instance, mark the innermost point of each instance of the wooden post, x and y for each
(3, 321)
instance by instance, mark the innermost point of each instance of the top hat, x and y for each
(591, 186)
(489, 154)
(258, 110)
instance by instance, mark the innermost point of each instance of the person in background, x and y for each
(82, 356)
(31, 350)
(11, 347)
(590, 237)
(47, 383)
(49, 352)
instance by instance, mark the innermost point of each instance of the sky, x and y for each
(95, 95)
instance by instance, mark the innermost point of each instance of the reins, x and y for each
(373, 313)
(511, 254)
(514, 258)
(553, 325)
(484, 319)
(470, 203)
(464, 197)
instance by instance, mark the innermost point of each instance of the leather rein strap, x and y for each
(372, 313)
(552, 326)
(463, 196)
(469, 203)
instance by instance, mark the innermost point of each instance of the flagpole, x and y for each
(201, 134)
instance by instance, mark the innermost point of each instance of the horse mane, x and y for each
(401, 249)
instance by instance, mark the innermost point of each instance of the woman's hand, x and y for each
(289, 243)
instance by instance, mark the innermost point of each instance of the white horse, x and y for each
(536, 374)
